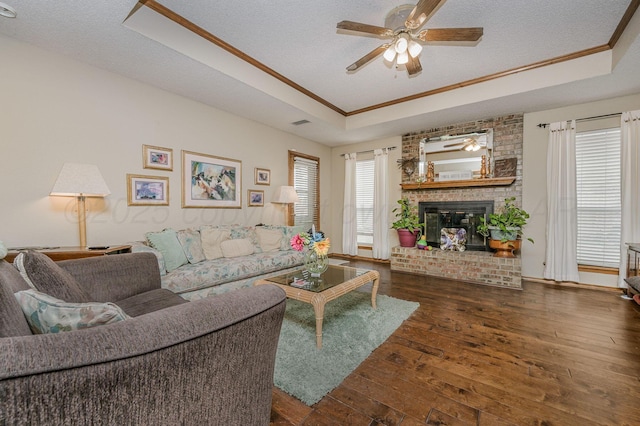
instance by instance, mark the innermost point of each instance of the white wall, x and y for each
(534, 176)
(337, 185)
(55, 110)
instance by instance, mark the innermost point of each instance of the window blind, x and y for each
(598, 197)
(364, 201)
(305, 181)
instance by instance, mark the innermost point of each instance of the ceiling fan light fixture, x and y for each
(403, 58)
(414, 49)
(390, 53)
(402, 43)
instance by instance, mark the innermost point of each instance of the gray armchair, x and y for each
(209, 361)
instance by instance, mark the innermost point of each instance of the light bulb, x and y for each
(402, 43)
(390, 53)
(403, 58)
(414, 49)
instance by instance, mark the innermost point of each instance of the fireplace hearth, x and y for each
(436, 216)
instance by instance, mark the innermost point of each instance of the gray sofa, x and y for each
(209, 361)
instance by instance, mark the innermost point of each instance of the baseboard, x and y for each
(347, 257)
(576, 285)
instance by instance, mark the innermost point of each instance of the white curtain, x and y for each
(381, 204)
(349, 214)
(629, 186)
(562, 230)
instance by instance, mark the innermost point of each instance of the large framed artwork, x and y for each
(147, 190)
(210, 182)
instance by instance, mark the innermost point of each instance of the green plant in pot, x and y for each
(407, 223)
(505, 227)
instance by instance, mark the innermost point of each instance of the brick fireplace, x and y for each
(470, 266)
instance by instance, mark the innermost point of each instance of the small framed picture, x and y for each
(263, 176)
(256, 198)
(155, 157)
(147, 190)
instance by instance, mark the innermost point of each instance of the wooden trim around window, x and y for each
(290, 212)
(598, 269)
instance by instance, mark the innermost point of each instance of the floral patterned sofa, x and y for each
(199, 262)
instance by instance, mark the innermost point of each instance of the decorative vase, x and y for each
(315, 263)
(497, 234)
(505, 249)
(407, 238)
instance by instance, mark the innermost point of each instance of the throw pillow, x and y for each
(237, 247)
(211, 240)
(166, 242)
(46, 314)
(246, 232)
(269, 239)
(44, 275)
(3, 250)
(191, 244)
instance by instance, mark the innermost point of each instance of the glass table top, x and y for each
(333, 276)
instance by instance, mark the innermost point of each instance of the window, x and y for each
(304, 176)
(598, 196)
(364, 201)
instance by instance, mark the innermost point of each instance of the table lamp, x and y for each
(285, 195)
(80, 181)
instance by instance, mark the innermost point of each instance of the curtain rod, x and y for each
(595, 117)
(390, 148)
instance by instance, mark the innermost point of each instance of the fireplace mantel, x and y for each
(468, 183)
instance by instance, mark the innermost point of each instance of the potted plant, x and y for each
(407, 223)
(505, 228)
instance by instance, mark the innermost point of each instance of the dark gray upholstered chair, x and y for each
(207, 362)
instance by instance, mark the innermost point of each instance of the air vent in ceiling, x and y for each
(300, 122)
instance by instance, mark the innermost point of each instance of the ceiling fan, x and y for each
(402, 26)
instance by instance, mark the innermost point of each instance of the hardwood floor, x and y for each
(479, 355)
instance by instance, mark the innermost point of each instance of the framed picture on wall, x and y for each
(147, 190)
(256, 198)
(210, 182)
(263, 176)
(155, 157)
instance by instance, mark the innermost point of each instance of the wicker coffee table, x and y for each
(333, 283)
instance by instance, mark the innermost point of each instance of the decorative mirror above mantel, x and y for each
(456, 157)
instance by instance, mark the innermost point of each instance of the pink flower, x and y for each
(297, 243)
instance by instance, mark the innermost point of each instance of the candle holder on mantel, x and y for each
(430, 171)
(483, 167)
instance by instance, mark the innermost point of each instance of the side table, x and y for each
(66, 253)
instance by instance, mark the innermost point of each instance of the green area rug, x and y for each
(352, 329)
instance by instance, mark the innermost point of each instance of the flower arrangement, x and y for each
(311, 240)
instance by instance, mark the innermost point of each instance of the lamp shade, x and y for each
(80, 180)
(285, 195)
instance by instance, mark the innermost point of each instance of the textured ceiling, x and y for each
(299, 41)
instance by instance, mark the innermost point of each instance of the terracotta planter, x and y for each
(505, 249)
(407, 238)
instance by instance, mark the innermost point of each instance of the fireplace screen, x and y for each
(455, 217)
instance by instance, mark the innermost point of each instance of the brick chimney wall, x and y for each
(507, 143)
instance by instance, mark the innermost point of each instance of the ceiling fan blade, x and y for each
(421, 12)
(455, 144)
(365, 28)
(451, 34)
(413, 66)
(368, 57)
